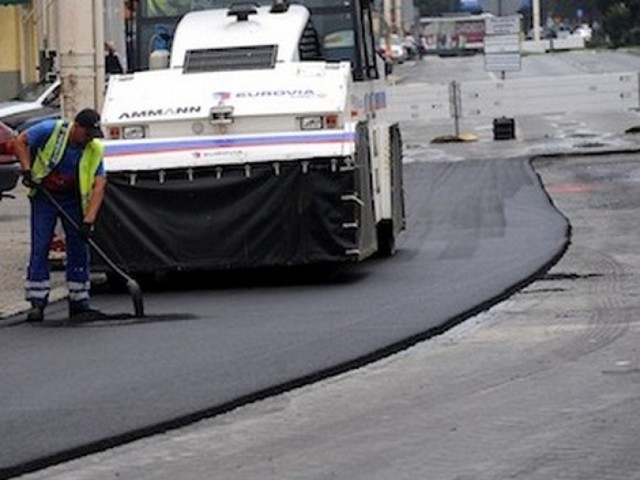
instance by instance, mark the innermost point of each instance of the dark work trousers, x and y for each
(44, 216)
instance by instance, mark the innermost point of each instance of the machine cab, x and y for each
(331, 31)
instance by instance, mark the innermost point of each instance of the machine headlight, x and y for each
(134, 132)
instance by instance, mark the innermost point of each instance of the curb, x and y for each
(588, 153)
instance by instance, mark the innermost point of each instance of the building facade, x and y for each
(17, 52)
(32, 32)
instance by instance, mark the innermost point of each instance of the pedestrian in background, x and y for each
(68, 165)
(112, 61)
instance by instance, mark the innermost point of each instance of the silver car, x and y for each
(32, 98)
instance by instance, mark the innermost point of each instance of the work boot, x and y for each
(85, 314)
(36, 314)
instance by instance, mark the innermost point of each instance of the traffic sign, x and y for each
(501, 44)
(503, 25)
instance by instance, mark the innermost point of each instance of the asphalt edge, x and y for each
(185, 420)
(379, 354)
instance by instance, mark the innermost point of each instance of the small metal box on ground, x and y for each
(504, 128)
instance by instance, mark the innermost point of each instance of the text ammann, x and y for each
(159, 112)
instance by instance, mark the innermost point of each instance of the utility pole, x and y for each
(387, 26)
(536, 20)
(81, 54)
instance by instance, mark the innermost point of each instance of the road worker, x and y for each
(63, 159)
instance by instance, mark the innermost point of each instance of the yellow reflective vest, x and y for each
(51, 155)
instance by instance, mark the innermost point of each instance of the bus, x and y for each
(454, 34)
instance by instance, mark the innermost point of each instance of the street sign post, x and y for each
(502, 53)
(502, 45)
(503, 25)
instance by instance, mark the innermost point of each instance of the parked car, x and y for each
(38, 100)
(22, 121)
(545, 34)
(395, 51)
(585, 31)
(412, 48)
(9, 166)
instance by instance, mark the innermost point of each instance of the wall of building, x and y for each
(408, 16)
(31, 29)
(10, 57)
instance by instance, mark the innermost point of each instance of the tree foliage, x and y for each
(621, 21)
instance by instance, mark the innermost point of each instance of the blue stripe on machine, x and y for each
(160, 146)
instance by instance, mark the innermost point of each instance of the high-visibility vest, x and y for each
(51, 155)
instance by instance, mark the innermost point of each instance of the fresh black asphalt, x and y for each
(476, 231)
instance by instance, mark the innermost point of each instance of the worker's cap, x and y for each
(90, 120)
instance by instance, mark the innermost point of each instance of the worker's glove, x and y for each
(85, 230)
(27, 180)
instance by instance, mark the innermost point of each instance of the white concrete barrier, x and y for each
(533, 46)
(602, 92)
(571, 42)
(514, 97)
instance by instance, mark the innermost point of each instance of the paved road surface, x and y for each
(541, 386)
(544, 385)
(475, 230)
